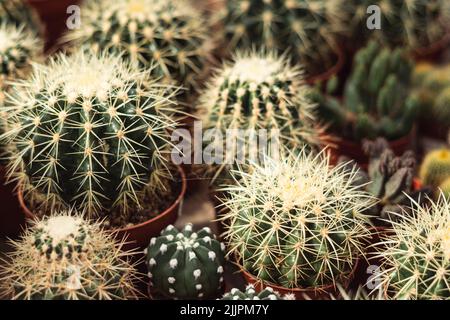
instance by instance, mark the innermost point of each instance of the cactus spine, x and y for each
(64, 256)
(89, 131)
(186, 264)
(297, 222)
(170, 34)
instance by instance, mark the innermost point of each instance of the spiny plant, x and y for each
(305, 28)
(250, 294)
(377, 97)
(390, 179)
(297, 222)
(416, 256)
(259, 91)
(413, 24)
(90, 131)
(170, 34)
(18, 12)
(435, 167)
(186, 264)
(65, 256)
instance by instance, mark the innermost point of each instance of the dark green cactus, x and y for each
(251, 294)
(186, 264)
(377, 98)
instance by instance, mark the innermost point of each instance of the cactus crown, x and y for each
(89, 131)
(416, 257)
(260, 90)
(377, 97)
(296, 221)
(305, 28)
(186, 264)
(251, 294)
(169, 33)
(66, 257)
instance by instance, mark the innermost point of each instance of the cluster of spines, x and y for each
(250, 293)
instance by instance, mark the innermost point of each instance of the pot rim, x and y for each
(29, 214)
(422, 52)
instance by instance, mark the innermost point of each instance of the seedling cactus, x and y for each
(251, 294)
(186, 264)
(64, 256)
(170, 34)
(89, 131)
(416, 256)
(297, 222)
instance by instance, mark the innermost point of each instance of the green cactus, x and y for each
(251, 294)
(307, 28)
(377, 97)
(444, 187)
(416, 256)
(260, 90)
(90, 132)
(297, 222)
(413, 24)
(186, 264)
(64, 256)
(18, 12)
(435, 167)
(169, 34)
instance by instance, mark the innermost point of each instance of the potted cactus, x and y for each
(377, 102)
(100, 144)
(307, 29)
(169, 34)
(416, 255)
(19, 47)
(297, 225)
(66, 257)
(186, 264)
(258, 90)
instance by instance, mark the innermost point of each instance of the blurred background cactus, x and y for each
(416, 255)
(297, 222)
(90, 131)
(64, 256)
(305, 28)
(186, 264)
(377, 99)
(171, 34)
(19, 13)
(435, 168)
(259, 90)
(250, 294)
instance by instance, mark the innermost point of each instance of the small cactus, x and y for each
(251, 294)
(416, 256)
(63, 256)
(186, 264)
(435, 167)
(305, 28)
(297, 222)
(90, 131)
(169, 34)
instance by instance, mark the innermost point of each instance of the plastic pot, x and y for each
(139, 235)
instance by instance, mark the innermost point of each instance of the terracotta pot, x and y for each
(334, 70)
(11, 217)
(434, 51)
(53, 14)
(319, 293)
(139, 235)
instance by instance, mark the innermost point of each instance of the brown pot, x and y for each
(334, 70)
(138, 236)
(11, 217)
(53, 14)
(319, 293)
(434, 51)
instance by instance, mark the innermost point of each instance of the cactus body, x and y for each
(66, 257)
(435, 167)
(186, 264)
(250, 294)
(89, 131)
(296, 222)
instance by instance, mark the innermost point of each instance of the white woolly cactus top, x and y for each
(416, 261)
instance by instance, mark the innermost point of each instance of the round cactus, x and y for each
(64, 256)
(435, 167)
(260, 91)
(306, 28)
(444, 187)
(251, 294)
(186, 264)
(416, 256)
(170, 34)
(297, 222)
(91, 132)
